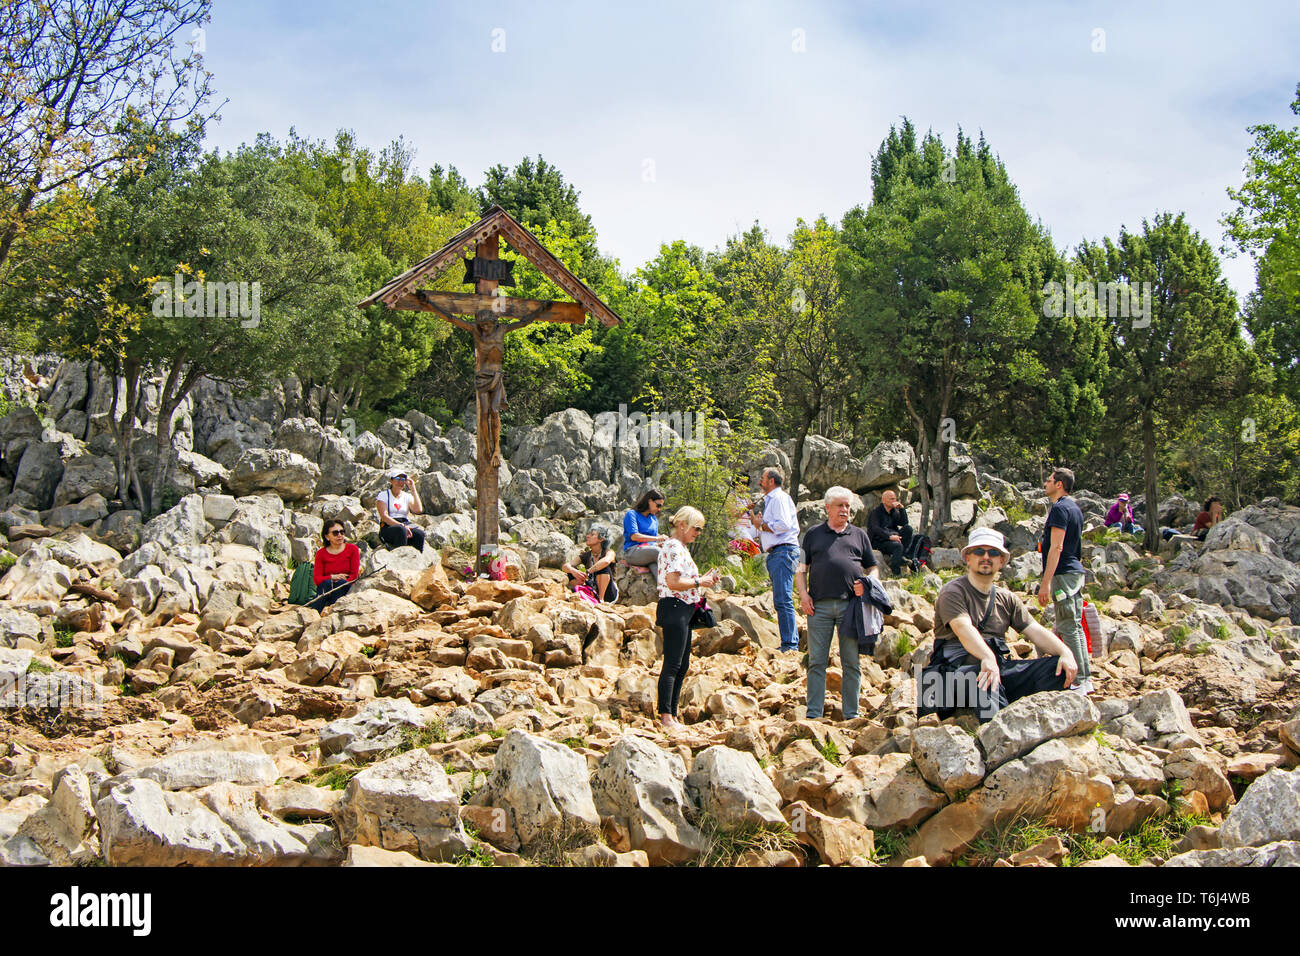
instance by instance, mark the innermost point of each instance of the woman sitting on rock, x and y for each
(596, 562)
(395, 505)
(337, 565)
(1120, 516)
(679, 596)
(641, 537)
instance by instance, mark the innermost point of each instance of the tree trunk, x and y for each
(942, 507)
(1151, 541)
(796, 460)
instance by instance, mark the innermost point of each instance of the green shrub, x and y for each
(7, 561)
(700, 474)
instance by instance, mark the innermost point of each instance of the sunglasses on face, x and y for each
(984, 552)
(336, 531)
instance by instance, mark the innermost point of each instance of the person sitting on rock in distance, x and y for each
(972, 616)
(395, 505)
(889, 532)
(596, 562)
(1210, 515)
(680, 594)
(337, 565)
(1120, 516)
(641, 537)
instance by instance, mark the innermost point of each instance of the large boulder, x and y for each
(405, 803)
(1268, 811)
(643, 786)
(39, 472)
(141, 824)
(181, 526)
(888, 463)
(260, 470)
(542, 785)
(1257, 582)
(948, 758)
(730, 787)
(1027, 722)
(84, 476)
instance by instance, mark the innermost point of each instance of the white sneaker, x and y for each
(1087, 685)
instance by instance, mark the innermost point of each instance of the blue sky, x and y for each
(692, 120)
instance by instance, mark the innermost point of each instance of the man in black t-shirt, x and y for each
(1062, 551)
(835, 557)
(971, 665)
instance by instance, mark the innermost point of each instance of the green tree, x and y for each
(75, 77)
(942, 282)
(198, 222)
(1187, 354)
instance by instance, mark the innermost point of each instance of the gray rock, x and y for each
(1282, 853)
(644, 786)
(85, 476)
(381, 725)
(181, 526)
(142, 825)
(1029, 721)
(405, 803)
(470, 719)
(189, 769)
(64, 829)
(288, 475)
(1268, 811)
(542, 785)
(888, 463)
(732, 789)
(948, 758)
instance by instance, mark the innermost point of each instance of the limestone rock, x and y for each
(644, 786)
(381, 725)
(1268, 811)
(542, 785)
(1027, 722)
(730, 787)
(404, 803)
(947, 758)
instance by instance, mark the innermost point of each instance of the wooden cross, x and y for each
(488, 308)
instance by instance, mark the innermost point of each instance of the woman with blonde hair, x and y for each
(680, 594)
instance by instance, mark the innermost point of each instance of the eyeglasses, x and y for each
(984, 552)
(336, 531)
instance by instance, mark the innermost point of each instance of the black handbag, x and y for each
(703, 616)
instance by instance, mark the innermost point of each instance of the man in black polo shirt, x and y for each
(835, 556)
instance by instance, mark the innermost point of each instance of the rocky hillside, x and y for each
(163, 704)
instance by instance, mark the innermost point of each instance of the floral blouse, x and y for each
(673, 556)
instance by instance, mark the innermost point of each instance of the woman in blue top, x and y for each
(641, 535)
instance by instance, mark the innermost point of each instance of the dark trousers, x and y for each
(394, 536)
(327, 592)
(900, 551)
(946, 687)
(674, 616)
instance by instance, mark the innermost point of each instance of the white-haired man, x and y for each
(836, 556)
(971, 665)
(779, 524)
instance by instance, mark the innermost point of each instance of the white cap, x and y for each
(986, 538)
(397, 473)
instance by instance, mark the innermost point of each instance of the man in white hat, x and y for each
(972, 618)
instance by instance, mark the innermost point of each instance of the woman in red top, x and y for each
(337, 565)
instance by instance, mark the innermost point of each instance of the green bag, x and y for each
(302, 589)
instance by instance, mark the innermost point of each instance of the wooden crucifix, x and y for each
(494, 315)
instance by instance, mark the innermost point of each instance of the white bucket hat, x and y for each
(986, 538)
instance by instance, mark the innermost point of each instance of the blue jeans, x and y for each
(826, 617)
(781, 562)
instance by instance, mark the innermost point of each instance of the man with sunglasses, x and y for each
(971, 664)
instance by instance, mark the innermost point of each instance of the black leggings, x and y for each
(394, 535)
(674, 616)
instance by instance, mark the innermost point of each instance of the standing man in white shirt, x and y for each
(779, 527)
